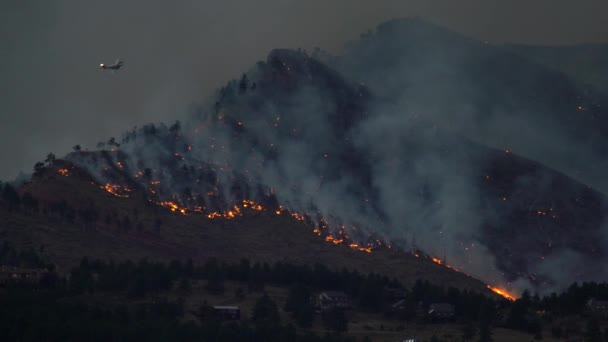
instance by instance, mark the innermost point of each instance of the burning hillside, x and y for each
(293, 137)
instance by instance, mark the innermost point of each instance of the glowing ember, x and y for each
(173, 207)
(333, 240)
(116, 190)
(503, 293)
(238, 211)
(64, 172)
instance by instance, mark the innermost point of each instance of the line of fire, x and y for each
(336, 236)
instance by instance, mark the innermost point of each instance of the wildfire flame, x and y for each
(238, 211)
(502, 292)
(172, 206)
(64, 172)
(116, 190)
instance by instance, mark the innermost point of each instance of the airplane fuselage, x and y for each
(114, 66)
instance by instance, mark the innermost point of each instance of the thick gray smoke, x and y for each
(485, 93)
(386, 158)
(54, 97)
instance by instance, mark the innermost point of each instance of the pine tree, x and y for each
(592, 331)
(50, 159)
(243, 84)
(38, 168)
(266, 311)
(485, 332)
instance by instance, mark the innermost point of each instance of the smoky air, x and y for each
(377, 150)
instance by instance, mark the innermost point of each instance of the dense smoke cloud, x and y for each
(323, 145)
(399, 171)
(54, 96)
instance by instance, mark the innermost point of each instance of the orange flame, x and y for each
(64, 172)
(116, 190)
(173, 207)
(237, 211)
(503, 293)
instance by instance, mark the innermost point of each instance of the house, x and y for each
(441, 311)
(405, 309)
(399, 305)
(597, 307)
(10, 274)
(332, 299)
(395, 294)
(227, 312)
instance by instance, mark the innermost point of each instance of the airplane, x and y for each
(112, 67)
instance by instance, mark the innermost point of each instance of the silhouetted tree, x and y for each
(29, 202)
(157, 224)
(485, 321)
(265, 311)
(76, 148)
(215, 279)
(126, 223)
(243, 84)
(299, 304)
(468, 331)
(38, 168)
(335, 319)
(50, 158)
(184, 285)
(175, 128)
(592, 331)
(11, 197)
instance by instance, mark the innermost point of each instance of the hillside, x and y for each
(294, 135)
(584, 63)
(66, 235)
(505, 97)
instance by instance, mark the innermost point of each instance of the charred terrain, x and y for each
(406, 157)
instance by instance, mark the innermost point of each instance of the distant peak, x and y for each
(416, 26)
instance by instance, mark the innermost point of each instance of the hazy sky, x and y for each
(52, 95)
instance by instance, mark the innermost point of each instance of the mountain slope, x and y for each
(487, 93)
(587, 64)
(295, 134)
(61, 229)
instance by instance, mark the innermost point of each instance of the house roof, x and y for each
(398, 303)
(11, 269)
(441, 307)
(334, 294)
(597, 302)
(226, 307)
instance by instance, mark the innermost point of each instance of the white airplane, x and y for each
(112, 67)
